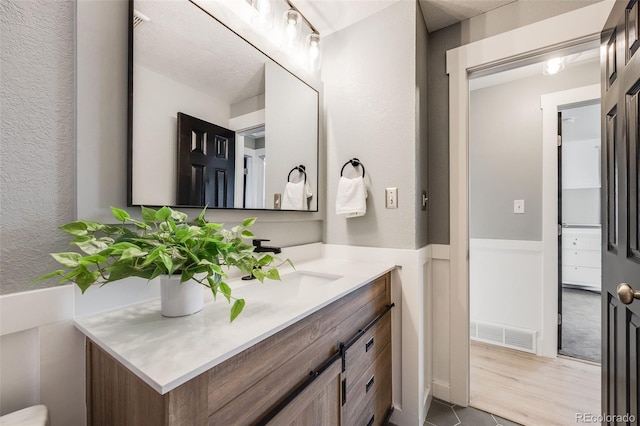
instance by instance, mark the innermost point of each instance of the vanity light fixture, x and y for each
(291, 29)
(313, 51)
(294, 34)
(553, 66)
(264, 18)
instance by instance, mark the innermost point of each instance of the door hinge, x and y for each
(559, 319)
(559, 140)
(559, 230)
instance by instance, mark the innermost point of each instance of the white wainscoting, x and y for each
(42, 355)
(506, 286)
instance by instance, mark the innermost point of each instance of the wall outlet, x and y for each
(391, 198)
(518, 206)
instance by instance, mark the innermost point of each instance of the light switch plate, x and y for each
(277, 198)
(518, 206)
(391, 198)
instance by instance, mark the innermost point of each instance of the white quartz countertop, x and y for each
(167, 352)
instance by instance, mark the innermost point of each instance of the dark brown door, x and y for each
(206, 163)
(621, 224)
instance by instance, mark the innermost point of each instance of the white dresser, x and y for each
(581, 257)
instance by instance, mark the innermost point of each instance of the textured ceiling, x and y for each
(442, 13)
(187, 45)
(329, 16)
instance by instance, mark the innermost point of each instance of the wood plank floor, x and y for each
(532, 390)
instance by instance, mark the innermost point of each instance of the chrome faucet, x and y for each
(259, 248)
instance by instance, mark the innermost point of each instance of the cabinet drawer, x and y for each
(581, 275)
(359, 356)
(590, 258)
(377, 409)
(589, 242)
(362, 392)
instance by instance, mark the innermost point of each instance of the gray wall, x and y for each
(37, 150)
(422, 129)
(505, 152)
(494, 22)
(370, 105)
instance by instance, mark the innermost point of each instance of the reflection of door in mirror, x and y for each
(206, 163)
(254, 157)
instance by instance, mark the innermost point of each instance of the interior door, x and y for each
(206, 163)
(620, 64)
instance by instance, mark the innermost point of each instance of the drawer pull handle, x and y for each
(368, 345)
(369, 383)
(370, 422)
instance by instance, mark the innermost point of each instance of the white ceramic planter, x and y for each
(179, 299)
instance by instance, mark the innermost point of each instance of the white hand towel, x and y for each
(351, 200)
(294, 196)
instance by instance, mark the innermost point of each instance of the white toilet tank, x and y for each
(37, 415)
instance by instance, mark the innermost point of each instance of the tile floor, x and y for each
(444, 414)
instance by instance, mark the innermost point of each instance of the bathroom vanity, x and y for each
(304, 351)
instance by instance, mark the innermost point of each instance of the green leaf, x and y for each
(95, 259)
(273, 274)
(178, 216)
(57, 273)
(154, 254)
(119, 271)
(119, 214)
(148, 215)
(259, 274)
(265, 259)
(213, 226)
(93, 226)
(140, 225)
(131, 253)
(77, 228)
(163, 214)
(167, 261)
(91, 246)
(236, 309)
(247, 234)
(201, 220)
(156, 273)
(226, 290)
(68, 259)
(249, 222)
(235, 229)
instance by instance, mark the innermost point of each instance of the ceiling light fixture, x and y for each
(553, 66)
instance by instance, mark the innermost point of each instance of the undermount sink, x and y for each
(307, 280)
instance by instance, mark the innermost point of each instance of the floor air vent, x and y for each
(510, 337)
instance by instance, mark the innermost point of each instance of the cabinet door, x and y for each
(318, 405)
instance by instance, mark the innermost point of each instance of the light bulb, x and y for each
(313, 51)
(553, 66)
(264, 20)
(292, 23)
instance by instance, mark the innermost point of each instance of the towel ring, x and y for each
(354, 163)
(301, 169)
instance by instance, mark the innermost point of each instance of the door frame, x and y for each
(551, 104)
(507, 47)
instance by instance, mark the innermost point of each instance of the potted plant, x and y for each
(186, 256)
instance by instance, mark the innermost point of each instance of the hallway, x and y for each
(533, 390)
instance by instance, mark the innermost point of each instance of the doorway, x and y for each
(579, 250)
(523, 42)
(511, 303)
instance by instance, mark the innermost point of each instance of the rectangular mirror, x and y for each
(214, 121)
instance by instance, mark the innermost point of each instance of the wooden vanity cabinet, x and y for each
(355, 388)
